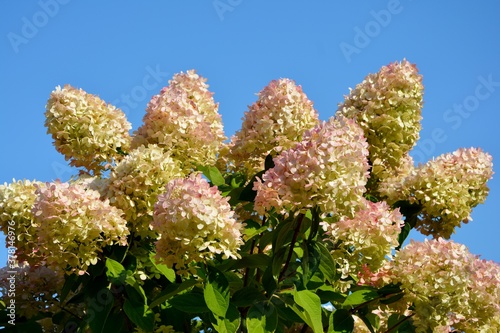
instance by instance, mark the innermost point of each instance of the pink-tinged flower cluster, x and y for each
(73, 225)
(328, 169)
(387, 105)
(448, 188)
(16, 202)
(195, 223)
(184, 120)
(365, 241)
(275, 122)
(36, 288)
(448, 286)
(136, 182)
(86, 130)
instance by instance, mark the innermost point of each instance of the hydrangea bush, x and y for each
(292, 225)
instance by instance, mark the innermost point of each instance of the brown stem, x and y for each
(292, 245)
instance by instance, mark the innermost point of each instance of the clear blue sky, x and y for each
(125, 51)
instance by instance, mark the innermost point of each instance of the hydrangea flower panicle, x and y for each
(275, 122)
(86, 130)
(194, 223)
(74, 225)
(183, 119)
(328, 169)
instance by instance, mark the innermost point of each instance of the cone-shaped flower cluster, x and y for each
(448, 188)
(86, 130)
(364, 241)
(448, 286)
(16, 202)
(275, 122)
(195, 223)
(184, 121)
(74, 225)
(387, 105)
(136, 182)
(328, 170)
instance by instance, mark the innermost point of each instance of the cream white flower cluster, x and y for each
(136, 182)
(73, 225)
(328, 170)
(275, 122)
(183, 120)
(365, 241)
(195, 223)
(448, 188)
(86, 130)
(387, 105)
(449, 287)
(16, 201)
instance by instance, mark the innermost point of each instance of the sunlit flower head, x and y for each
(73, 225)
(365, 241)
(448, 187)
(328, 169)
(195, 223)
(86, 130)
(275, 122)
(183, 120)
(387, 105)
(136, 182)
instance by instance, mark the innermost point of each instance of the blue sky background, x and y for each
(125, 51)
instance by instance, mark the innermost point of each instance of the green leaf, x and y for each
(326, 264)
(268, 281)
(253, 229)
(248, 194)
(360, 296)
(97, 314)
(70, 282)
(229, 323)
(169, 273)
(213, 174)
(262, 317)
(115, 271)
(247, 296)
(399, 323)
(190, 302)
(341, 321)
(269, 163)
(252, 261)
(216, 293)
(172, 290)
(139, 314)
(311, 305)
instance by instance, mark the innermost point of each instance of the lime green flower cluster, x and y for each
(86, 130)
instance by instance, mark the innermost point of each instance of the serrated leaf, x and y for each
(213, 174)
(247, 296)
(98, 317)
(191, 302)
(169, 273)
(262, 317)
(229, 323)
(115, 271)
(139, 314)
(170, 291)
(216, 293)
(311, 305)
(327, 265)
(360, 296)
(341, 321)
